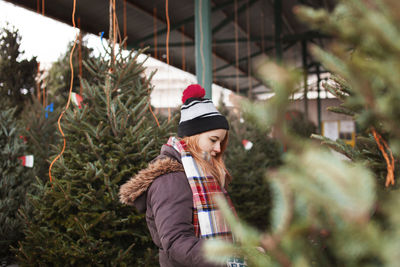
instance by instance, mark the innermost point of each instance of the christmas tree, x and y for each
(110, 135)
(249, 152)
(364, 59)
(17, 82)
(17, 76)
(40, 133)
(326, 211)
(369, 147)
(299, 124)
(14, 182)
(58, 78)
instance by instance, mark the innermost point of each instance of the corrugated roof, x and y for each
(255, 31)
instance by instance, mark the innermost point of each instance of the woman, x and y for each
(176, 190)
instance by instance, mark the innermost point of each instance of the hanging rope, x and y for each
(70, 92)
(183, 49)
(107, 88)
(248, 51)
(118, 37)
(114, 24)
(118, 31)
(167, 46)
(155, 32)
(151, 110)
(262, 31)
(390, 162)
(80, 56)
(203, 77)
(168, 29)
(125, 25)
(114, 30)
(214, 60)
(44, 94)
(38, 95)
(236, 47)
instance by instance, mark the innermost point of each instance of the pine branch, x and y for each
(342, 110)
(93, 148)
(337, 145)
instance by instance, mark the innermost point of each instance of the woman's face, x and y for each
(210, 141)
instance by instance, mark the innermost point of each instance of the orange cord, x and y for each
(125, 28)
(44, 95)
(168, 29)
(151, 110)
(117, 30)
(38, 64)
(214, 47)
(389, 162)
(183, 50)
(80, 55)
(236, 47)
(167, 46)
(248, 51)
(203, 61)
(114, 30)
(262, 32)
(69, 96)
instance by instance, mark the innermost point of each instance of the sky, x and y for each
(41, 36)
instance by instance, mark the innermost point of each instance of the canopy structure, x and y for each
(242, 31)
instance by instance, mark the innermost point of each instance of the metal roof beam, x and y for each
(243, 59)
(243, 90)
(230, 76)
(228, 18)
(286, 38)
(178, 24)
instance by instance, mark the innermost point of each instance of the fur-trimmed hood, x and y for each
(168, 161)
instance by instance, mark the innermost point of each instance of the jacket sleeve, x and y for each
(171, 202)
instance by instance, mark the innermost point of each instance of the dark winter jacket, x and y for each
(163, 192)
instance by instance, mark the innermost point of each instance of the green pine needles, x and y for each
(328, 211)
(14, 183)
(78, 220)
(249, 190)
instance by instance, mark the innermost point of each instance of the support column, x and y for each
(278, 29)
(319, 100)
(203, 45)
(305, 70)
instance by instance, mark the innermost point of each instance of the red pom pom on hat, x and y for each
(193, 90)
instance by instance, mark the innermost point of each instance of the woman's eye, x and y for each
(212, 140)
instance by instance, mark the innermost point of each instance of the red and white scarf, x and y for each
(207, 218)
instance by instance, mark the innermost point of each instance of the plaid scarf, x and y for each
(207, 219)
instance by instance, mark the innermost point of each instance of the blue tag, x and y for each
(49, 108)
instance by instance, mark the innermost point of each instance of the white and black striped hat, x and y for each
(199, 114)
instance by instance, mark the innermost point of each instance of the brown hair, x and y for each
(215, 166)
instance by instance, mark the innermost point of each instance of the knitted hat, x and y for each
(199, 114)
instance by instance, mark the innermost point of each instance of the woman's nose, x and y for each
(217, 147)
